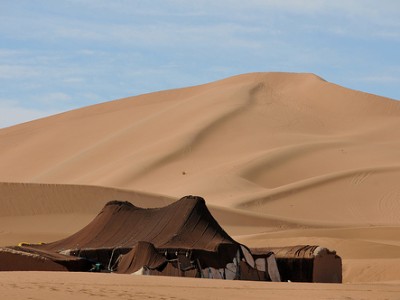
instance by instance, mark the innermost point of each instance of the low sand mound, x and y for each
(27, 210)
(27, 199)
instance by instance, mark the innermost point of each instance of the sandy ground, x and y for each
(281, 159)
(42, 285)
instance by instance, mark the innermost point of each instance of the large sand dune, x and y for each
(272, 142)
(280, 158)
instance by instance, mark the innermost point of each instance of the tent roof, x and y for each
(30, 259)
(185, 224)
(298, 251)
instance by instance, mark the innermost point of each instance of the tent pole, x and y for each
(199, 268)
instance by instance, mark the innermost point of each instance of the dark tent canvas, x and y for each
(25, 258)
(181, 239)
(304, 263)
(185, 224)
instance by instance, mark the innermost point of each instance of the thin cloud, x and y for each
(17, 72)
(55, 99)
(113, 49)
(13, 113)
(386, 79)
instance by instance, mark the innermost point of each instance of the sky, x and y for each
(61, 55)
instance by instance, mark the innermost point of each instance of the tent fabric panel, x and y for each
(272, 268)
(27, 259)
(184, 224)
(172, 269)
(249, 273)
(330, 262)
(143, 255)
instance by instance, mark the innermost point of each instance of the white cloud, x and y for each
(129, 23)
(116, 47)
(74, 80)
(380, 79)
(12, 113)
(10, 53)
(55, 99)
(87, 52)
(17, 72)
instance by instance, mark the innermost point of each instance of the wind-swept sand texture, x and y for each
(282, 159)
(66, 286)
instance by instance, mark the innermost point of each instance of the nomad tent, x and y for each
(305, 263)
(181, 239)
(25, 258)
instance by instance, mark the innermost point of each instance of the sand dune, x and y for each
(239, 142)
(281, 159)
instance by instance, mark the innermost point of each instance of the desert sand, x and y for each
(281, 159)
(42, 285)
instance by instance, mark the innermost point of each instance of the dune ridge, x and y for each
(25, 199)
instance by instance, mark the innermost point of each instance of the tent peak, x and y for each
(195, 199)
(119, 203)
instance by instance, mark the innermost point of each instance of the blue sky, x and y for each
(60, 55)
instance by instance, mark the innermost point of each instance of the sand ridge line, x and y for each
(357, 177)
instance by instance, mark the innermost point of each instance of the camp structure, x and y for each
(304, 263)
(25, 258)
(181, 239)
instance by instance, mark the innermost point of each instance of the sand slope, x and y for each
(246, 141)
(281, 158)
